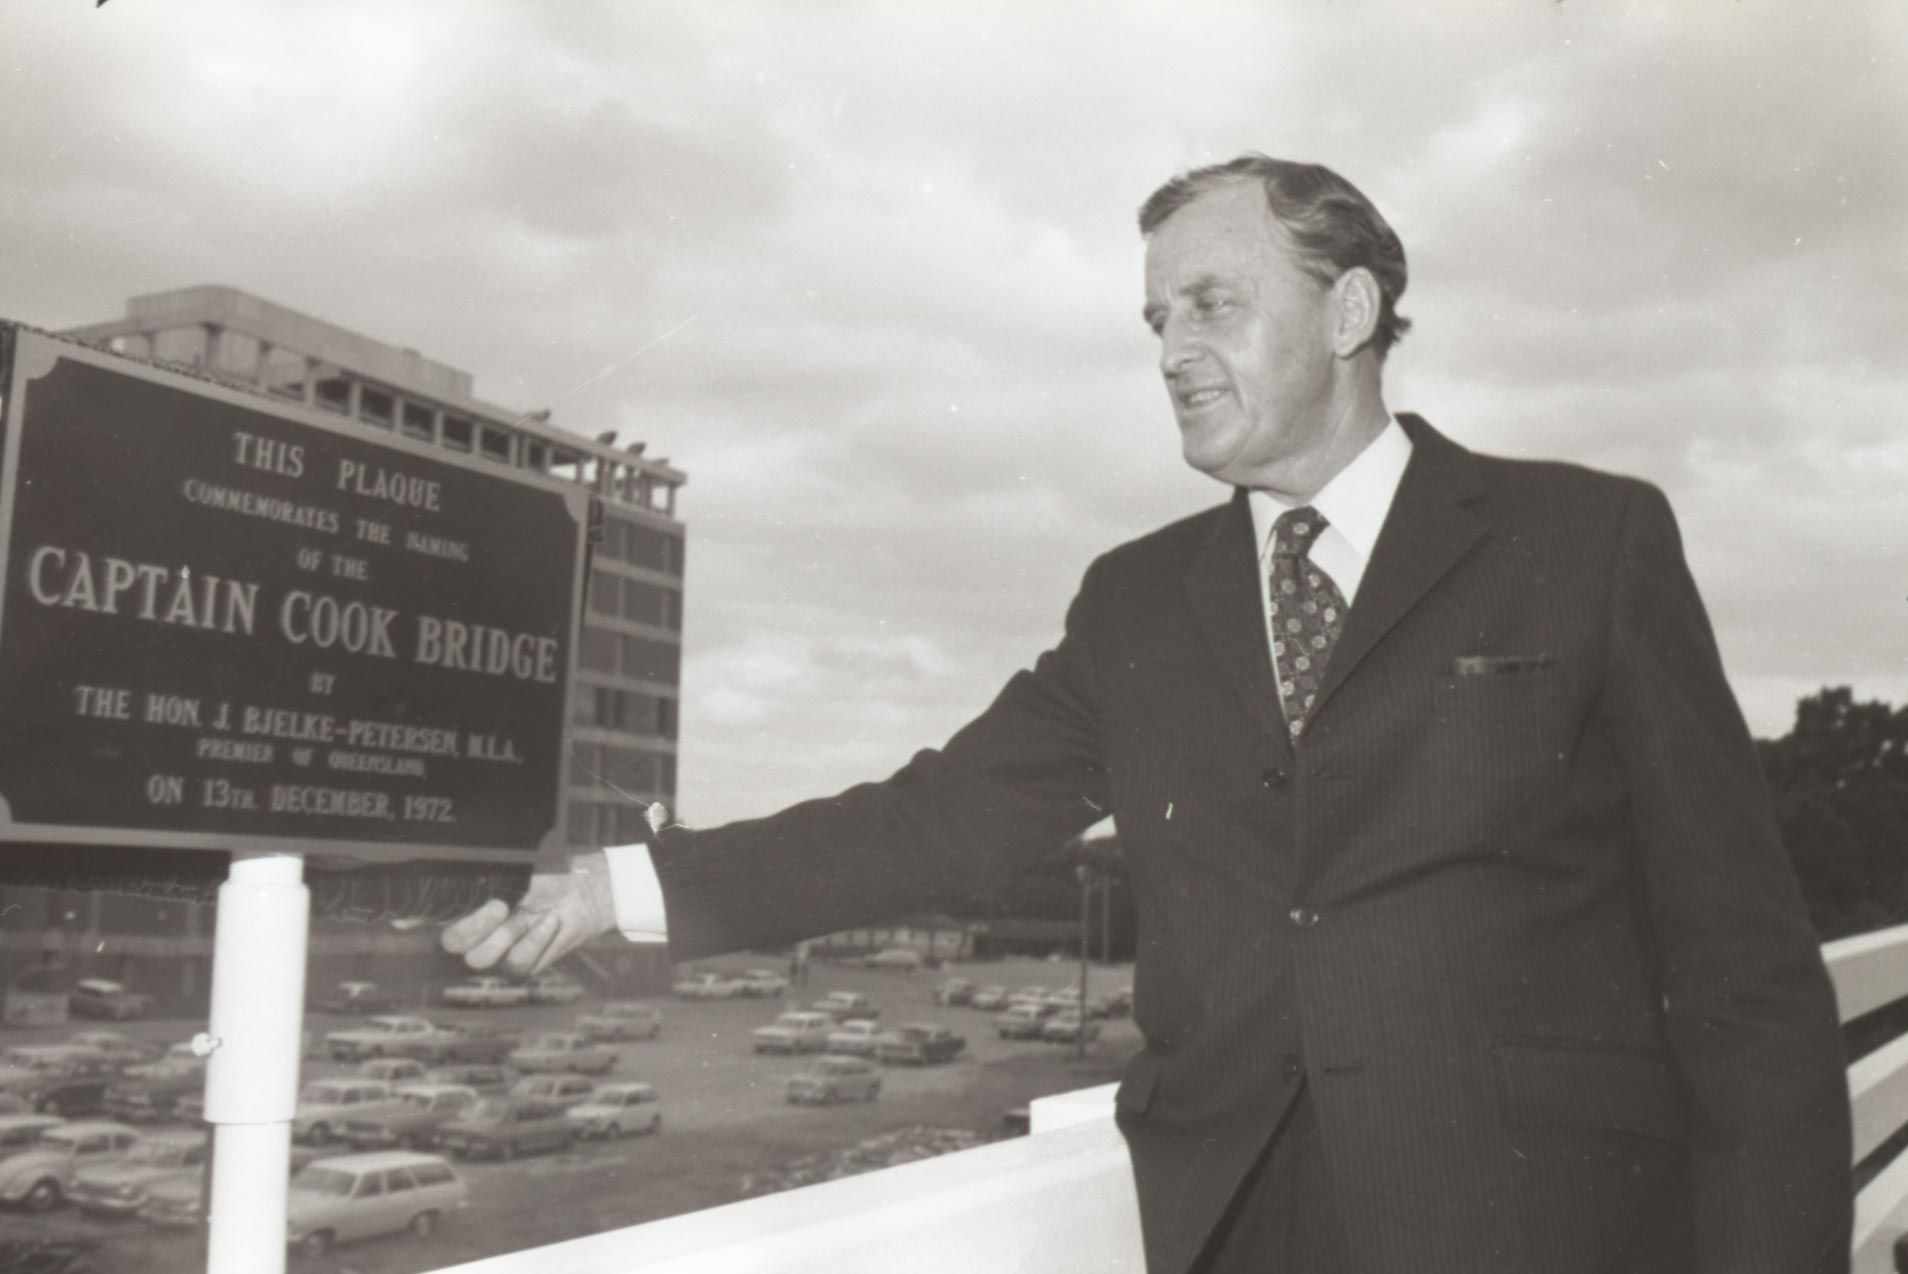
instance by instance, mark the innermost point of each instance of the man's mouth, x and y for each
(1196, 398)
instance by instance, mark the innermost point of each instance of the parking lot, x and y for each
(726, 1120)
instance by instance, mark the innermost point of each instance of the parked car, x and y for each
(1021, 1022)
(380, 1036)
(507, 1127)
(794, 1032)
(461, 1042)
(622, 1020)
(116, 1046)
(856, 1038)
(564, 1090)
(412, 1118)
(119, 1188)
(152, 1096)
(357, 997)
(845, 1006)
(175, 1055)
(1036, 995)
(486, 993)
(57, 1077)
(762, 984)
(990, 998)
(554, 988)
(830, 1079)
(482, 1076)
(50, 1256)
(707, 986)
(1068, 1028)
(177, 1201)
(614, 1110)
(905, 959)
(920, 1044)
(19, 1133)
(325, 1105)
(350, 1197)
(38, 1178)
(564, 1051)
(393, 1070)
(101, 997)
(955, 991)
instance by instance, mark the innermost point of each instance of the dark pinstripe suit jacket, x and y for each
(1514, 905)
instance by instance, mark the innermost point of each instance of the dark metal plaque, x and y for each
(234, 625)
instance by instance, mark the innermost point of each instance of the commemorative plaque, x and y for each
(234, 624)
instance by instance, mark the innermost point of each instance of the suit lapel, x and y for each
(1428, 529)
(1223, 586)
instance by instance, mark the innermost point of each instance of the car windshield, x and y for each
(488, 1109)
(318, 1179)
(420, 1100)
(792, 1019)
(27, 1061)
(322, 1095)
(554, 1043)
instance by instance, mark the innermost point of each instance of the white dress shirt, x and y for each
(1355, 503)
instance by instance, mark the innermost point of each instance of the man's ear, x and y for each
(1359, 302)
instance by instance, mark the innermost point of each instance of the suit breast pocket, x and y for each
(1495, 736)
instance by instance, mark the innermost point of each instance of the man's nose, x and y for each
(1176, 353)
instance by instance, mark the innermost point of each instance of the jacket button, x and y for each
(1304, 917)
(1291, 1068)
(1273, 776)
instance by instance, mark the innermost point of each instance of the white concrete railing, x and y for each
(1060, 1200)
(1870, 971)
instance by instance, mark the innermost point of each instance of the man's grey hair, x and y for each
(1331, 223)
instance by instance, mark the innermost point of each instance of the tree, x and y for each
(1840, 782)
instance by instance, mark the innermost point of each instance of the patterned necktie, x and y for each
(1308, 613)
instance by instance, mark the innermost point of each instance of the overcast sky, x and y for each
(869, 274)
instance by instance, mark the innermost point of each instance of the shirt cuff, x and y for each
(636, 894)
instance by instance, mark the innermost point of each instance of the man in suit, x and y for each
(1467, 943)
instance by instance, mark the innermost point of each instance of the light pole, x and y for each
(1085, 877)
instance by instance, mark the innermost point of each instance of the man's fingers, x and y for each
(502, 939)
(526, 955)
(466, 933)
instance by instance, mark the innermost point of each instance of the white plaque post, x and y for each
(251, 1076)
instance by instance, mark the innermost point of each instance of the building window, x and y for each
(582, 823)
(651, 660)
(643, 602)
(596, 650)
(376, 407)
(334, 394)
(417, 421)
(457, 433)
(629, 771)
(495, 444)
(666, 718)
(604, 589)
(537, 455)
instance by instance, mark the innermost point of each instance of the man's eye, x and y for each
(1209, 305)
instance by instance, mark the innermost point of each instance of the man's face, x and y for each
(1245, 341)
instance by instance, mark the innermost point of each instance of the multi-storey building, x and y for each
(627, 685)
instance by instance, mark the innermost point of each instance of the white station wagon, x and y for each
(356, 1196)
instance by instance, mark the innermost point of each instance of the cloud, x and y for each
(870, 275)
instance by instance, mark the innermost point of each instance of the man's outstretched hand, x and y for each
(559, 913)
